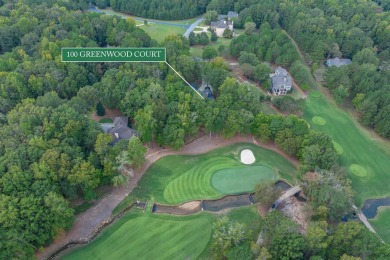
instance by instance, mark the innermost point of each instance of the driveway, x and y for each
(192, 27)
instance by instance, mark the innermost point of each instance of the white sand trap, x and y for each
(247, 157)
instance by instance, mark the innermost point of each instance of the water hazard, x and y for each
(370, 207)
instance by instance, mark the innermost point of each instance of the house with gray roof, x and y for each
(338, 62)
(232, 15)
(119, 129)
(281, 82)
(220, 26)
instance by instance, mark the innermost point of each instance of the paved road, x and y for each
(192, 27)
(97, 10)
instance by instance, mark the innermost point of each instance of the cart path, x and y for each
(86, 222)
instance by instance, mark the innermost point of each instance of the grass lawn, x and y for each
(179, 178)
(158, 32)
(150, 236)
(105, 121)
(381, 223)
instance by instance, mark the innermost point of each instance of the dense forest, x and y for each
(157, 9)
(51, 152)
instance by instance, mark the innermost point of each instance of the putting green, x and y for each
(357, 170)
(315, 94)
(149, 237)
(338, 148)
(195, 183)
(318, 120)
(239, 180)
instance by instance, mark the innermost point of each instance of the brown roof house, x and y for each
(220, 26)
(119, 129)
(281, 82)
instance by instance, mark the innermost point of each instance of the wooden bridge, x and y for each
(290, 192)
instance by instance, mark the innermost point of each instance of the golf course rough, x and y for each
(357, 170)
(318, 120)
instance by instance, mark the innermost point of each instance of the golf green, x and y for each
(318, 120)
(338, 148)
(357, 170)
(239, 180)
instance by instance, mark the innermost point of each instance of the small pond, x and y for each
(370, 207)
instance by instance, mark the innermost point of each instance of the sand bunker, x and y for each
(247, 157)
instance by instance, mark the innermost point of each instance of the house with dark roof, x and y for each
(281, 82)
(119, 129)
(338, 62)
(230, 15)
(220, 26)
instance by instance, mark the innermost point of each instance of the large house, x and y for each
(220, 26)
(281, 82)
(230, 15)
(119, 129)
(338, 62)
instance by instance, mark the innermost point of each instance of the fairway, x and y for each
(381, 223)
(239, 180)
(140, 235)
(150, 237)
(373, 155)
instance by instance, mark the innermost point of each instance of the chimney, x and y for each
(116, 135)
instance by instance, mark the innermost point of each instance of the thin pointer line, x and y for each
(184, 80)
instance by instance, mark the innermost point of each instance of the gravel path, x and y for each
(89, 220)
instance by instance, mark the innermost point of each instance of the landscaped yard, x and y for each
(105, 121)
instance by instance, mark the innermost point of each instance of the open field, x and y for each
(158, 32)
(381, 223)
(180, 178)
(150, 236)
